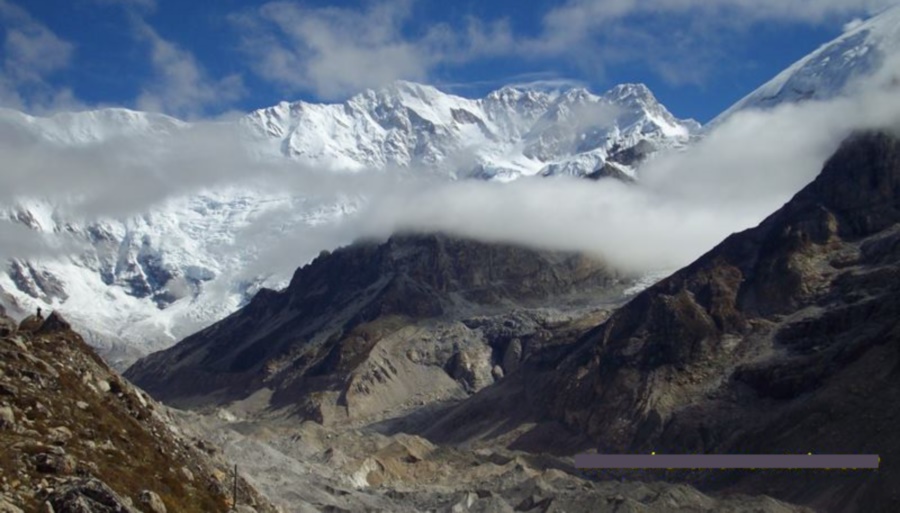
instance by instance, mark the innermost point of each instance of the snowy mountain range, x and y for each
(506, 135)
(143, 281)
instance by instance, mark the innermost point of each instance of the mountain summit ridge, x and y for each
(514, 131)
(153, 271)
(833, 69)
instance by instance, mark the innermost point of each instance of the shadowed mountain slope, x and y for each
(784, 339)
(373, 326)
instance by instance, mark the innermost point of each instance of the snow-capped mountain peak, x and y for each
(511, 132)
(155, 277)
(833, 69)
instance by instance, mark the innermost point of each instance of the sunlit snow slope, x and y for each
(834, 69)
(139, 282)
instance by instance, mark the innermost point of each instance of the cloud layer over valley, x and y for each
(685, 201)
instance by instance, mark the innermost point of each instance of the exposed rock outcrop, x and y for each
(374, 327)
(783, 339)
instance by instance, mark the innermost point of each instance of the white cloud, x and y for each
(576, 17)
(335, 52)
(32, 55)
(686, 202)
(852, 24)
(682, 40)
(181, 86)
(17, 241)
(331, 51)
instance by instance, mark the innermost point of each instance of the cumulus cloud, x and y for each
(119, 175)
(685, 203)
(579, 16)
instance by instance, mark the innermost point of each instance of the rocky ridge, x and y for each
(373, 328)
(782, 339)
(76, 437)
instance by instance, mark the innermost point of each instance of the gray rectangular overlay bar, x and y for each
(727, 461)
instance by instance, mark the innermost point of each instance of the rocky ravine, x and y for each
(321, 381)
(76, 437)
(378, 328)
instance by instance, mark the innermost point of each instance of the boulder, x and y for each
(152, 502)
(7, 418)
(55, 323)
(50, 463)
(31, 324)
(88, 496)
(513, 356)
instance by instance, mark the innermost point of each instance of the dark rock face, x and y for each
(610, 171)
(37, 284)
(632, 155)
(337, 310)
(55, 323)
(88, 496)
(783, 339)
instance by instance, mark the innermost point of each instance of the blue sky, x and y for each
(204, 58)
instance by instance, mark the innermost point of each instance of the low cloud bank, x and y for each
(684, 203)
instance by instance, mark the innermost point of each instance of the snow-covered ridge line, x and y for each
(155, 277)
(833, 69)
(143, 282)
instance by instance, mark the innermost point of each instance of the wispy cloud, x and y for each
(744, 169)
(334, 52)
(32, 55)
(330, 51)
(536, 80)
(683, 41)
(181, 86)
